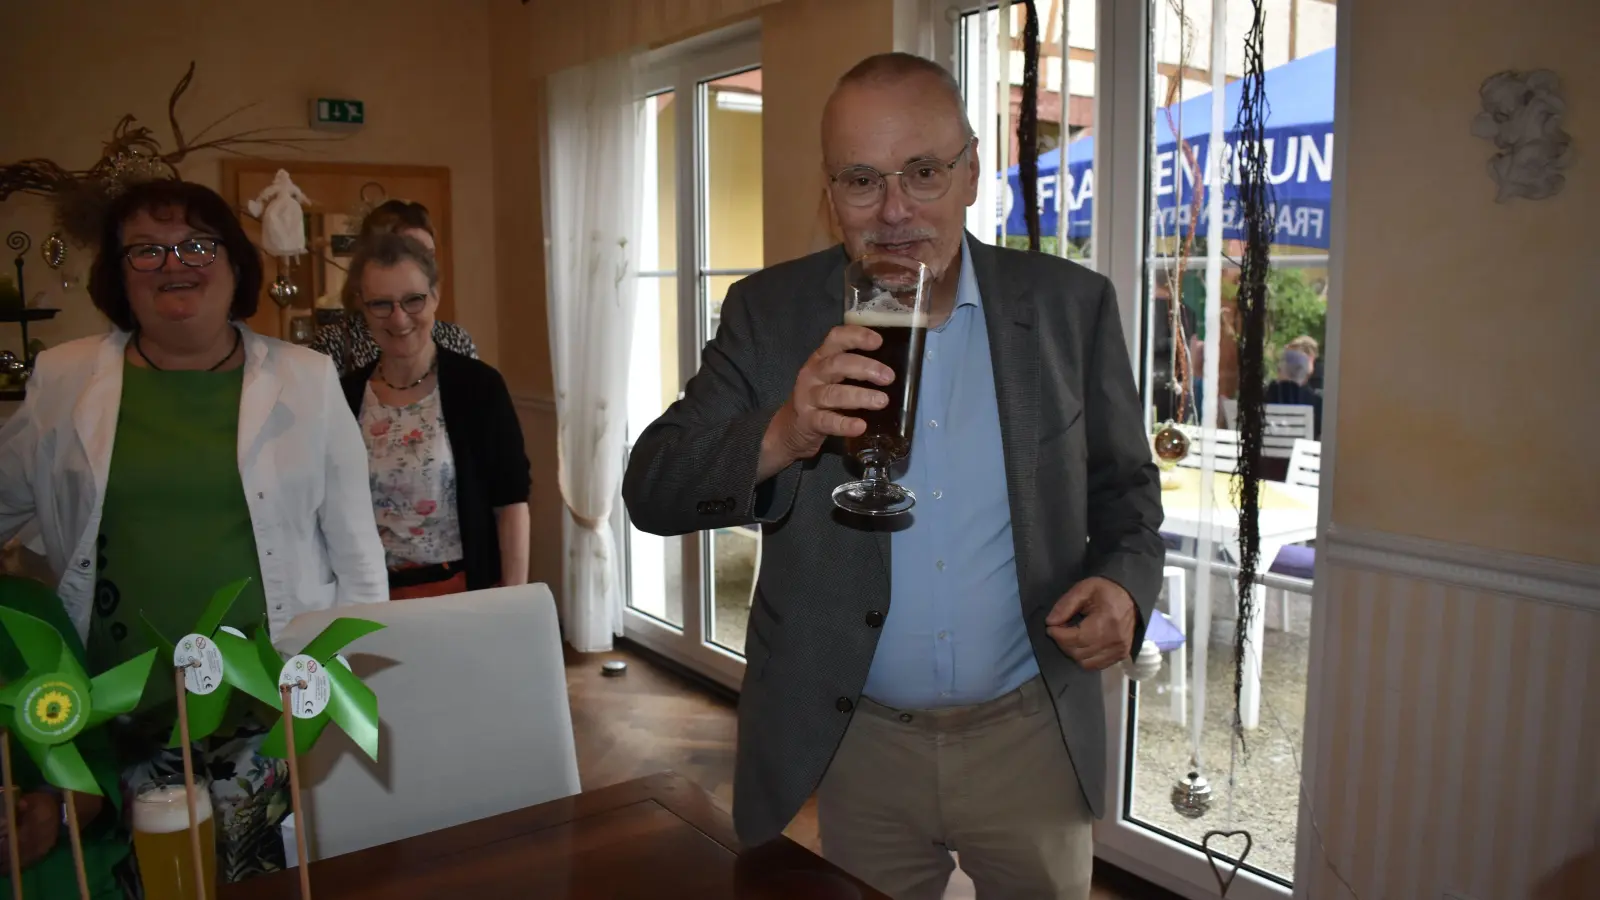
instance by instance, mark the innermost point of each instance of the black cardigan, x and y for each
(486, 441)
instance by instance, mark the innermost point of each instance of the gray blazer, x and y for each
(1085, 500)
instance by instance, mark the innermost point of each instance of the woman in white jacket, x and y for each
(181, 452)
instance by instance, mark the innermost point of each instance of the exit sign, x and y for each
(337, 114)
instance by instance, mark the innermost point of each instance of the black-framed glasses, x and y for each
(411, 303)
(923, 180)
(196, 253)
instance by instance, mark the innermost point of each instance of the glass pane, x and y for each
(1193, 375)
(660, 251)
(735, 557)
(714, 289)
(993, 89)
(733, 172)
(734, 552)
(655, 564)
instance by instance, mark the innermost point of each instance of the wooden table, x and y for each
(655, 837)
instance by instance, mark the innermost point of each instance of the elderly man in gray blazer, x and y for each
(936, 682)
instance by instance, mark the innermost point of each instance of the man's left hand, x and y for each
(1104, 636)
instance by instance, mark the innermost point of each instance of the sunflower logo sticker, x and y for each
(53, 709)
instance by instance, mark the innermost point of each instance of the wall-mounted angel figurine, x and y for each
(283, 226)
(1522, 114)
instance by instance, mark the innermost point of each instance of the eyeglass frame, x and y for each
(371, 305)
(883, 177)
(171, 250)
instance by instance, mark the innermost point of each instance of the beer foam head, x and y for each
(883, 310)
(162, 810)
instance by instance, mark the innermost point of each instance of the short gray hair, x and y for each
(1294, 366)
(386, 249)
(889, 68)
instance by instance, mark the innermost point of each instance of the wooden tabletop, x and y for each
(655, 837)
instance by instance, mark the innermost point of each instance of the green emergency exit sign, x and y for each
(337, 113)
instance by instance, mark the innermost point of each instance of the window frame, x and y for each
(684, 69)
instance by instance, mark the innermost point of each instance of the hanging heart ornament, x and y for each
(1218, 859)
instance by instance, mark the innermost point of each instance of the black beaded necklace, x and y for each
(238, 338)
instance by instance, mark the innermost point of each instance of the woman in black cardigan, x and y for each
(448, 473)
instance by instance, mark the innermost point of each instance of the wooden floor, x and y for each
(652, 719)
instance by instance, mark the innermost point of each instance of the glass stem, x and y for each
(875, 472)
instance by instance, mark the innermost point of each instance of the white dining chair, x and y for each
(472, 699)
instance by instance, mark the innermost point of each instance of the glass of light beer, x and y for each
(888, 294)
(161, 839)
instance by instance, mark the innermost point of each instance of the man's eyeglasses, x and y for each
(411, 303)
(196, 253)
(923, 180)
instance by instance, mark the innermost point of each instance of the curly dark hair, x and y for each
(203, 209)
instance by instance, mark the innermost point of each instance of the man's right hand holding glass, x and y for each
(812, 414)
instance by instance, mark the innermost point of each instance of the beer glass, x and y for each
(161, 838)
(888, 294)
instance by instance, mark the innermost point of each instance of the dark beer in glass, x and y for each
(889, 295)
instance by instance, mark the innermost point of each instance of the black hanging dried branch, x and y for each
(1028, 126)
(1255, 200)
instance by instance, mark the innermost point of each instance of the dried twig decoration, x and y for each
(1028, 126)
(133, 155)
(1255, 200)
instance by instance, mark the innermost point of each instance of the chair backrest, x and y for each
(1284, 424)
(472, 697)
(1225, 445)
(1305, 464)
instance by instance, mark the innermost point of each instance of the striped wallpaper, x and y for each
(1459, 745)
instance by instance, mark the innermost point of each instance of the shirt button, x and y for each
(261, 495)
(905, 717)
(843, 704)
(930, 354)
(279, 607)
(939, 565)
(938, 495)
(83, 564)
(944, 635)
(933, 423)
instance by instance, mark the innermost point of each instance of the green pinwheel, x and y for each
(326, 690)
(208, 691)
(55, 699)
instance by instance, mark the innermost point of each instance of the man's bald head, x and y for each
(892, 114)
(893, 69)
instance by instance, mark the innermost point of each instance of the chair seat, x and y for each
(1296, 561)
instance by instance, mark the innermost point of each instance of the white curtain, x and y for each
(593, 179)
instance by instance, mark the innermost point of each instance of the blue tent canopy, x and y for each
(1299, 146)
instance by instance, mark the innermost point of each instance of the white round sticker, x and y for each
(310, 682)
(197, 656)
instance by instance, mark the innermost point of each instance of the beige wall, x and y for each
(803, 51)
(805, 46)
(1468, 342)
(75, 67)
(1459, 726)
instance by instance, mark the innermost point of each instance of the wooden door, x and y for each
(339, 194)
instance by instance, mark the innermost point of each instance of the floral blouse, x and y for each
(413, 478)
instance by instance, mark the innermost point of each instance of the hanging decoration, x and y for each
(1255, 201)
(1028, 124)
(1218, 858)
(132, 155)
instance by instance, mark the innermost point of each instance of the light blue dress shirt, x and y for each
(954, 634)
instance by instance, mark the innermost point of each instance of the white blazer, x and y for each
(301, 458)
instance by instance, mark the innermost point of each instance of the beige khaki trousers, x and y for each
(992, 783)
